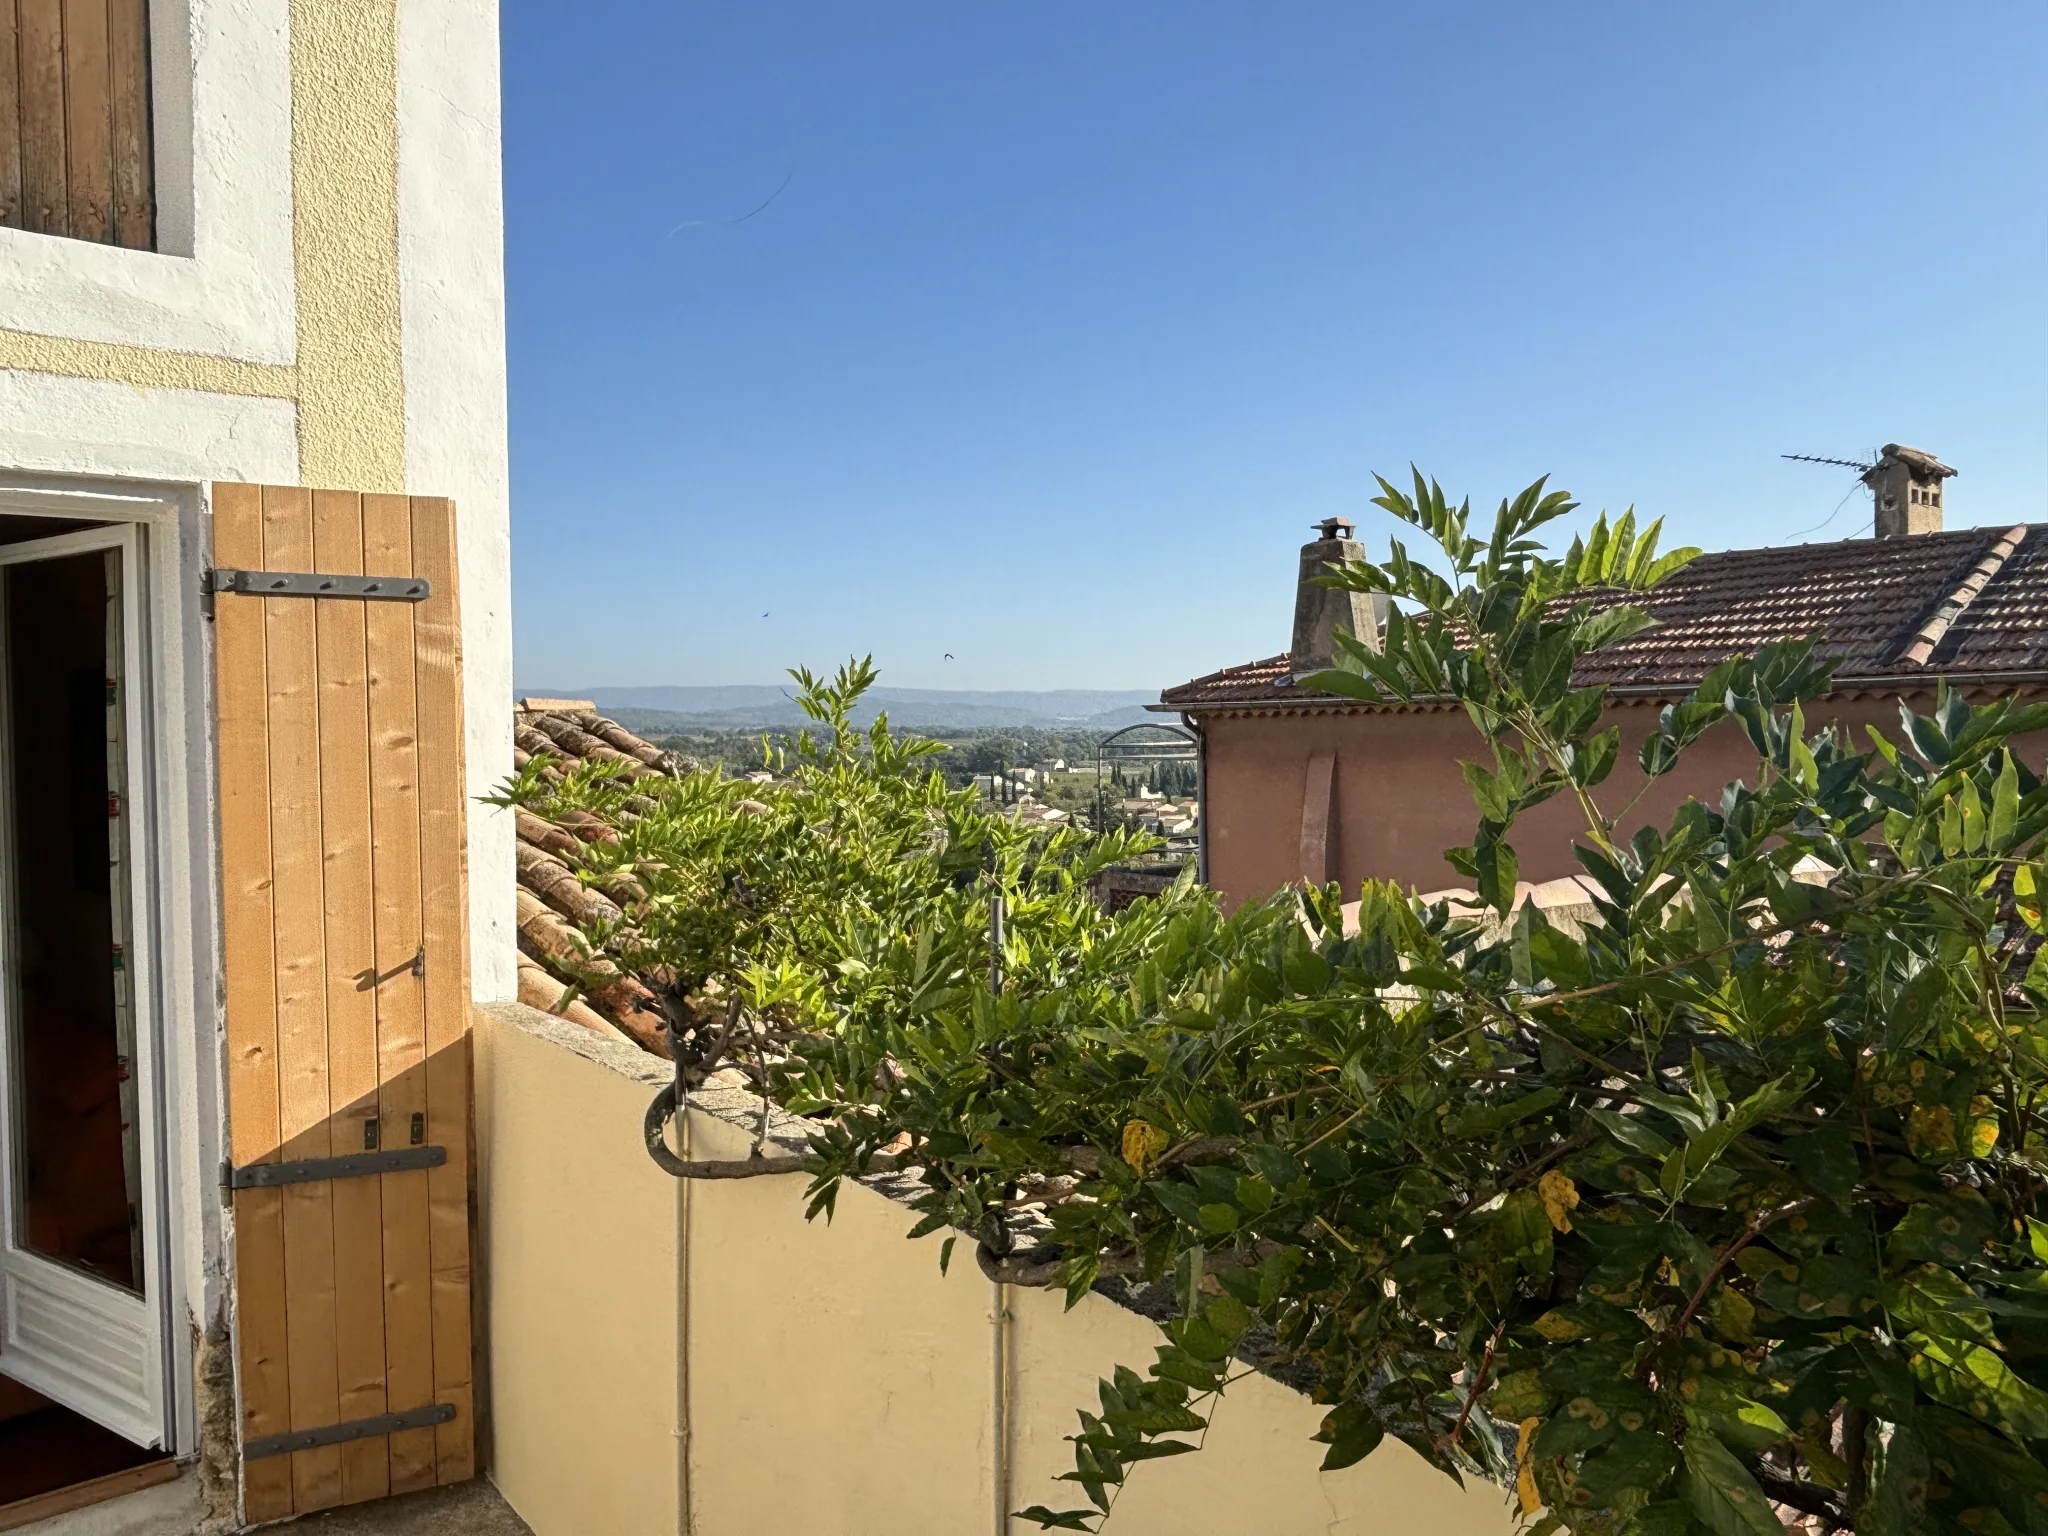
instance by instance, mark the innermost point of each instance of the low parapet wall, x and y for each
(671, 1357)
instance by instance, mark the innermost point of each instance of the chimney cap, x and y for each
(1921, 464)
(1334, 528)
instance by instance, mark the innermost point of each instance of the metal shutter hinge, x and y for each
(341, 1434)
(351, 1166)
(394, 589)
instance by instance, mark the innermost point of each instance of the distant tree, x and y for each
(990, 754)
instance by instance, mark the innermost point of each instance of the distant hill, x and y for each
(741, 707)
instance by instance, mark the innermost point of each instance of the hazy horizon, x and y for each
(631, 694)
(744, 706)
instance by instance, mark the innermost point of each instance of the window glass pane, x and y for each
(73, 1113)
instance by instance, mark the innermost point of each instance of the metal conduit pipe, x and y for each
(999, 1408)
(686, 1521)
(999, 1310)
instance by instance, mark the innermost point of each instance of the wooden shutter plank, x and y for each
(88, 120)
(444, 805)
(134, 167)
(401, 1002)
(41, 51)
(291, 653)
(251, 998)
(351, 990)
(10, 118)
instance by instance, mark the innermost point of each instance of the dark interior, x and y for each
(74, 1152)
(74, 1197)
(19, 528)
(44, 1447)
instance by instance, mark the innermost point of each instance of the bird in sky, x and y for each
(949, 655)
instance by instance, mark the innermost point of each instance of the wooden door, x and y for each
(347, 977)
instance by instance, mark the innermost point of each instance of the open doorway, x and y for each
(81, 1356)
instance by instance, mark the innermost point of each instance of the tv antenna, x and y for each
(1862, 469)
(1814, 458)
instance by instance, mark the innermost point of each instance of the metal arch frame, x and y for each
(1180, 747)
(1174, 744)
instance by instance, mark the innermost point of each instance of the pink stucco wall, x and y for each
(1400, 799)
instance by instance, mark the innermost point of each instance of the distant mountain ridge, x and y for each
(747, 706)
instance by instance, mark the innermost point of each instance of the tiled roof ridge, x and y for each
(1977, 596)
(1950, 608)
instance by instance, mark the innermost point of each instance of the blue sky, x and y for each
(1040, 334)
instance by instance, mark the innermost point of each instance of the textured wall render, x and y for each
(145, 367)
(345, 243)
(54, 424)
(451, 274)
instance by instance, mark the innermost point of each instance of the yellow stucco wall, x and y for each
(146, 368)
(577, 1281)
(837, 1383)
(348, 378)
(833, 1381)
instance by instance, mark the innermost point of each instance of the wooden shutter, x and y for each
(75, 156)
(342, 820)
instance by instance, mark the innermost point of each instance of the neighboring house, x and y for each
(246, 248)
(1300, 785)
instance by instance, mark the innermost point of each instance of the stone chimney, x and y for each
(1906, 485)
(1319, 611)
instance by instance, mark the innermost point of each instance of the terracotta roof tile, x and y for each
(555, 904)
(1980, 595)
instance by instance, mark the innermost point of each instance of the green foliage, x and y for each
(837, 906)
(1722, 1207)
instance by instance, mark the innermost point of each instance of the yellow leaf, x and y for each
(1983, 1136)
(1560, 1196)
(1525, 1475)
(1931, 1131)
(1142, 1143)
(1734, 1314)
(2028, 892)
